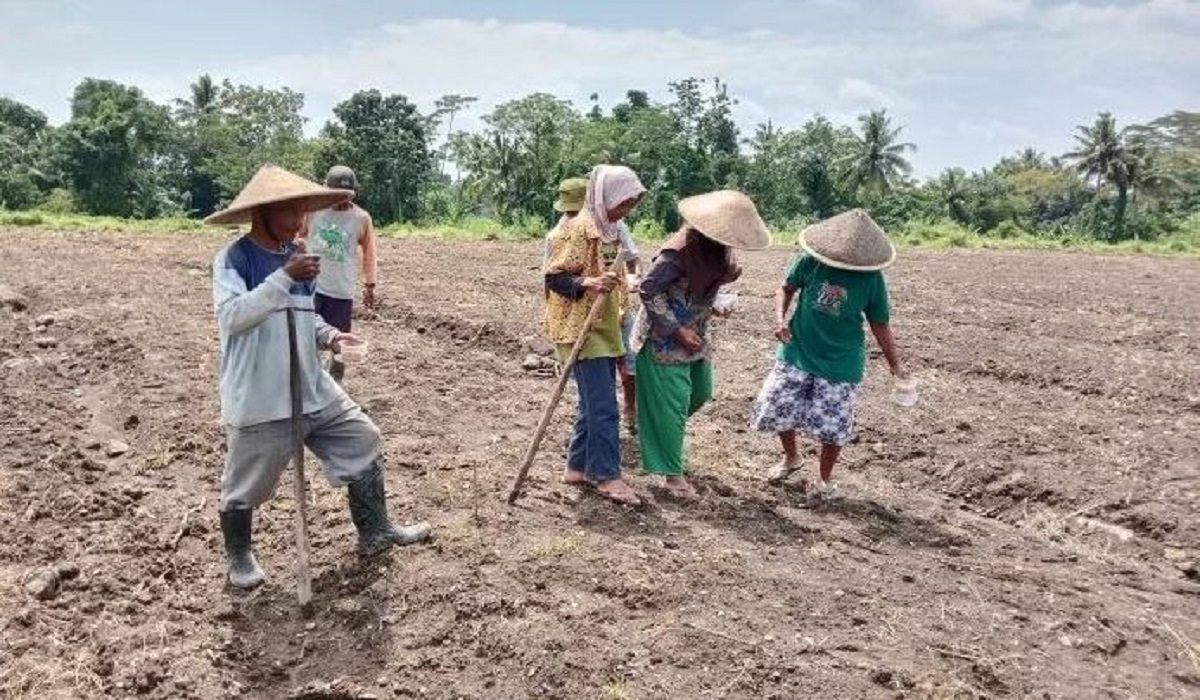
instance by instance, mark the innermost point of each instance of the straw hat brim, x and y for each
(727, 217)
(850, 241)
(846, 266)
(274, 185)
(307, 203)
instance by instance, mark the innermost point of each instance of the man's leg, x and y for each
(255, 458)
(347, 443)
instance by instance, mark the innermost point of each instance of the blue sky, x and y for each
(971, 80)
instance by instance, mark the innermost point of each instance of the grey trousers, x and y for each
(340, 435)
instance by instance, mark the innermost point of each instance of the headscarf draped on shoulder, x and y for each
(608, 186)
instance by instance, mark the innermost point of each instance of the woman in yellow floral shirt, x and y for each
(577, 270)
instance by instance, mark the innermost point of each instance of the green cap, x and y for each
(571, 194)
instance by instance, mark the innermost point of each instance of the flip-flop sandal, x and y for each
(628, 499)
(580, 481)
(686, 493)
(780, 472)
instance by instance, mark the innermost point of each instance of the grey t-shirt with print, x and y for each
(335, 236)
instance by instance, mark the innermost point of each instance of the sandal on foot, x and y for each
(571, 477)
(780, 472)
(625, 496)
(682, 490)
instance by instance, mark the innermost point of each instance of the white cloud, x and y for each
(973, 14)
(856, 91)
(1074, 16)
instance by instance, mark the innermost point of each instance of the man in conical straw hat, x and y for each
(256, 279)
(822, 353)
(674, 368)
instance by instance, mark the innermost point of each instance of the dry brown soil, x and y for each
(1029, 529)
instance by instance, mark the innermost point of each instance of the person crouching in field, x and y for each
(674, 360)
(256, 279)
(576, 272)
(814, 385)
(337, 233)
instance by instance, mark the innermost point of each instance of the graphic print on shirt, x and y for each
(830, 298)
(331, 243)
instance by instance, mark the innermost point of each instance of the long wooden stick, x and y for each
(303, 573)
(593, 313)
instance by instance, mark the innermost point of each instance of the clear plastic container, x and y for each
(353, 350)
(906, 392)
(725, 302)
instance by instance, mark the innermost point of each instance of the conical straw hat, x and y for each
(849, 241)
(272, 185)
(727, 217)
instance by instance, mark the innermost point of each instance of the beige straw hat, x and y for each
(849, 241)
(272, 185)
(727, 217)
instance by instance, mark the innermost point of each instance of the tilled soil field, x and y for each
(1029, 529)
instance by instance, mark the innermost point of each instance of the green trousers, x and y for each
(667, 395)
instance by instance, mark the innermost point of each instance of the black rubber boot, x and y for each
(244, 571)
(368, 510)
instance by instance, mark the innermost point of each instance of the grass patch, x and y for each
(565, 546)
(1185, 242)
(615, 689)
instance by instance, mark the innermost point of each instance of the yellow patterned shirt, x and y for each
(578, 250)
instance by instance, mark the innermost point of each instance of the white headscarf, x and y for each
(609, 186)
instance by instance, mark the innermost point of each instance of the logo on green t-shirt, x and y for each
(332, 243)
(830, 298)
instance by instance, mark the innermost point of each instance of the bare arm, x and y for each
(783, 302)
(369, 257)
(887, 343)
(370, 263)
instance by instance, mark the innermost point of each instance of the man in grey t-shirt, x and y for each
(337, 234)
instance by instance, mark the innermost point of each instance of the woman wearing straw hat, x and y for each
(260, 280)
(577, 270)
(674, 369)
(822, 353)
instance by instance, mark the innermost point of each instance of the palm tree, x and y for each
(877, 161)
(1103, 156)
(951, 187)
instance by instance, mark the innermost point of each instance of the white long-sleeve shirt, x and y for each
(251, 295)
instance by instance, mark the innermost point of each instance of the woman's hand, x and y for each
(783, 334)
(602, 284)
(689, 339)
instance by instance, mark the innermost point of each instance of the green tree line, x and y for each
(122, 154)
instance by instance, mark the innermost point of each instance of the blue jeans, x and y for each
(595, 445)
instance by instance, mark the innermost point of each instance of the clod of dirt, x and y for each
(13, 300)
(115, 448)
(45, 341)
(44, 320)
(43, 585)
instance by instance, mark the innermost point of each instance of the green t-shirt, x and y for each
(827, 325)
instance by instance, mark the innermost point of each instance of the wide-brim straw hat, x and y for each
(274, 185)
(849, 241)
(727, 217)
